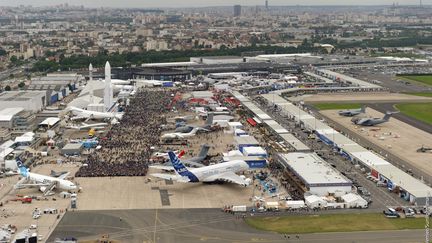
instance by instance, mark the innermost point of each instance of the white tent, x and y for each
(295, 204)
(354, 201)
(313, 201)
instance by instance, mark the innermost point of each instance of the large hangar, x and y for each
(318, 176)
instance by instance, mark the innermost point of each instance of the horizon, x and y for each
(212, 3)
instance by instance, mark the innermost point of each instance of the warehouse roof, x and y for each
(8, 113)
(294, 142)
(246, 140)
(313, 170)
(50, 121)
(276, 127)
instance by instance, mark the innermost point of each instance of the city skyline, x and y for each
(196, 3)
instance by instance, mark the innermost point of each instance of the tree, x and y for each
(13, 59)
(21, 85)
(8, 88)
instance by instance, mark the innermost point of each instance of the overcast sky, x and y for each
(200, 3)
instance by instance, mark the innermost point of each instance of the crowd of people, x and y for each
(126, 149)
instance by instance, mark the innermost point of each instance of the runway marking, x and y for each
(155, 226)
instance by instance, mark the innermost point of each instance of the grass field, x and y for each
(336, 106)
(419, 111)
(424, 79)
(333, 223)
(424, 94)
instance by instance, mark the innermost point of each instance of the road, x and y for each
(197, 225)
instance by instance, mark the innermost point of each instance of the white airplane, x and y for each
(96, 126)
(97, 115)
(45, 183)
(179, 135)
(213, 173)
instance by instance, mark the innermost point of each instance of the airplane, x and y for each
(352, 112)
(45, 183)
(223, 172)
(188, 128)
(97, 115)
(96, 126)
(178, 135)
(192, 162)
(372, 121)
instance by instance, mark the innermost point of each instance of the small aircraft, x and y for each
(223, 172)
(95, 115)
(45, 183)
(352, 112)
(372, 121)
(178, 135)
(189, 128)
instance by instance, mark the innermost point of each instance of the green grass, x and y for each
(424, 79)
(424, 94)
(419, 111)
(333, 223)
(337, 106)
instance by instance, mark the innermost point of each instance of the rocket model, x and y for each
(108, 92)
(90, 72)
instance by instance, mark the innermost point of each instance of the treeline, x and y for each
(379, 43)
(132, 58)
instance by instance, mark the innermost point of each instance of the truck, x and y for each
(239, 209)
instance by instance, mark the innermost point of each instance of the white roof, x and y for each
(8, 113)
(7, 144)
(313, 170)
(23, 139)
(275, 126)
(50, 121)
(5, 152)
(254, 150)
(351, 197)
(313, 199)
(290, 140)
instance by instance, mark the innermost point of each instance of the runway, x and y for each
(196, 225)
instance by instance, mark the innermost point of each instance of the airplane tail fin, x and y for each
(209, 120)
(204, 151)
(179, 167)
(387, 116)
(21, 168)
(363, 109)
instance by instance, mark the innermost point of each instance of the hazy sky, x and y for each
(201, 3)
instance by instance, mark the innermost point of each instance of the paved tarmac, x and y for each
(384, 107)
(197, 225)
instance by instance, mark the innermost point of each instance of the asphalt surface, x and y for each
(197, 225)
(384, 107)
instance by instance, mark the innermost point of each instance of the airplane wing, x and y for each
(170, 177)
(228, 177)
(63, 176)
(162, 167)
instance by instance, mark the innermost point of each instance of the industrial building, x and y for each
(57, 86)
(17, 119)
(398, 181)
(317, 176)
(28, 100)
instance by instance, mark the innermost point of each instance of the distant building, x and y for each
(266, 4)
(237, 10)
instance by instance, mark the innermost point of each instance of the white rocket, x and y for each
(108, 92)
